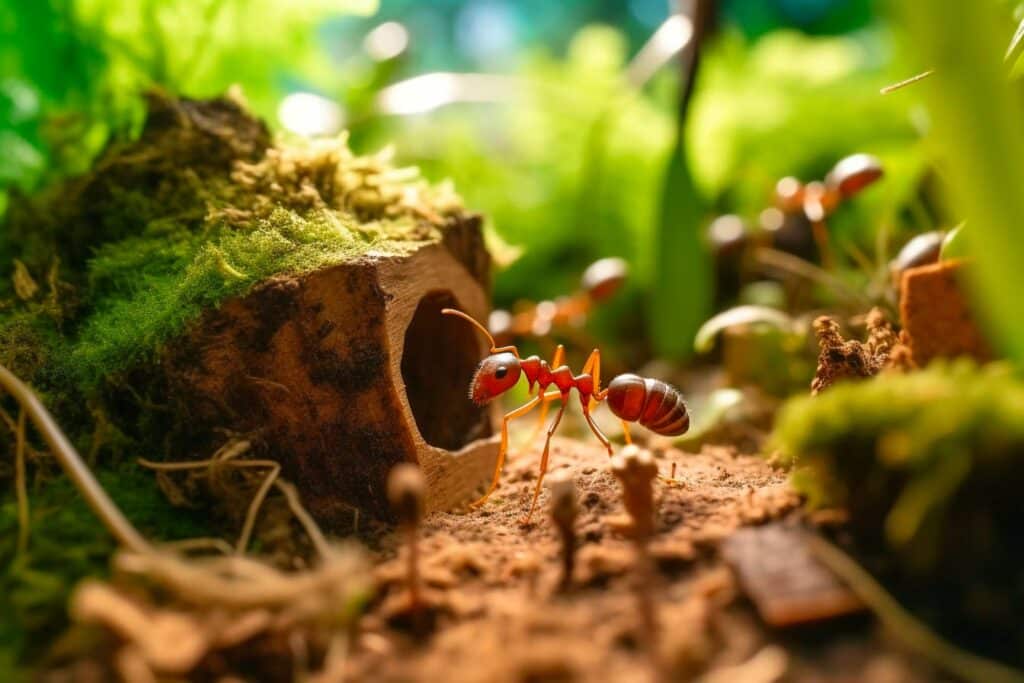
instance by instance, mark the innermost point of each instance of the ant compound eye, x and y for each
(501, 372)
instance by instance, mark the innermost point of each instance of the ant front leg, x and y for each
(518, 412)
(544, 461)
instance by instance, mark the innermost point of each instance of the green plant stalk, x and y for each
(681, 289)
(978, 136)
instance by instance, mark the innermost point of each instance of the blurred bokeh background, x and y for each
(560, 122)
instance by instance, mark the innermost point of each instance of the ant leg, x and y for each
(521, 410)
(625, 431)
(544, 461)
(556, 361)
(593, 368)
(597, 431)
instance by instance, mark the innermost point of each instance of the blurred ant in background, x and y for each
(565, 315)
(796, 224)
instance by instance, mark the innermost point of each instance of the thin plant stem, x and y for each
(20, 486)
(305, 519)
(910, 631)
(95, 496)
(254, 508)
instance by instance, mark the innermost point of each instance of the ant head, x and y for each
(496, 374)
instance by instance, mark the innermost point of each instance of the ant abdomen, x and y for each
(651, 402)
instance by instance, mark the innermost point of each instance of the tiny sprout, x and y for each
(563, 511)
(636, 470)
(406, 490)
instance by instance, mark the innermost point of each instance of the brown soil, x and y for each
(494, 611)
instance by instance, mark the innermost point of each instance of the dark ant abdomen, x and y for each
(651, 402)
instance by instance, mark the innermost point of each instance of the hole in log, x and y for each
(441, 354)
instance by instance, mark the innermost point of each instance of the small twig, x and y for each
(20, 486)
(203, 543)
(224, 458)
(904, 83)
(904, 626)
(96, 497)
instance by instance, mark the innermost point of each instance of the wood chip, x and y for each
(787, 584)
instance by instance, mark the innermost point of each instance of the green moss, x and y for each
(200, 208)
(929, 463)
(153, 287)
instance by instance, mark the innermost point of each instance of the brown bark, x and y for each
(936, 315)
(342, 373)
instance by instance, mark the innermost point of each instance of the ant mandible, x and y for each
(650, 402)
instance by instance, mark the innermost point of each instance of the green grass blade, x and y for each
(978, 135)
(681, 286)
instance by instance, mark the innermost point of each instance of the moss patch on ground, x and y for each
(930, 466)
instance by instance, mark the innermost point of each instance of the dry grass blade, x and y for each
(305, 519)
(254, 508)
(226, 458)
(905, 82)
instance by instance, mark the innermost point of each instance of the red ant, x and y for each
(600, 281)
(651, 402)
(817, 200)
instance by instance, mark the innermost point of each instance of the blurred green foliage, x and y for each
(903, 451)
(65, 543)
(72, 71)
(572, 169)
(977, 138)
(929, 467)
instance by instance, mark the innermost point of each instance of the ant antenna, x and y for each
(477, 325)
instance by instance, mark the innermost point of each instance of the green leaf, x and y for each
(741, 315)
(681, 287)
(977, 134)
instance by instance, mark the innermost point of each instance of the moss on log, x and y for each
(205, 280)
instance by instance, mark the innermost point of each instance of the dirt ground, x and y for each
(496, 612)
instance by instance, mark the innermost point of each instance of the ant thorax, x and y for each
(533, 367)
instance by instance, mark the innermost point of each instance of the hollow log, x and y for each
(344, 372)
